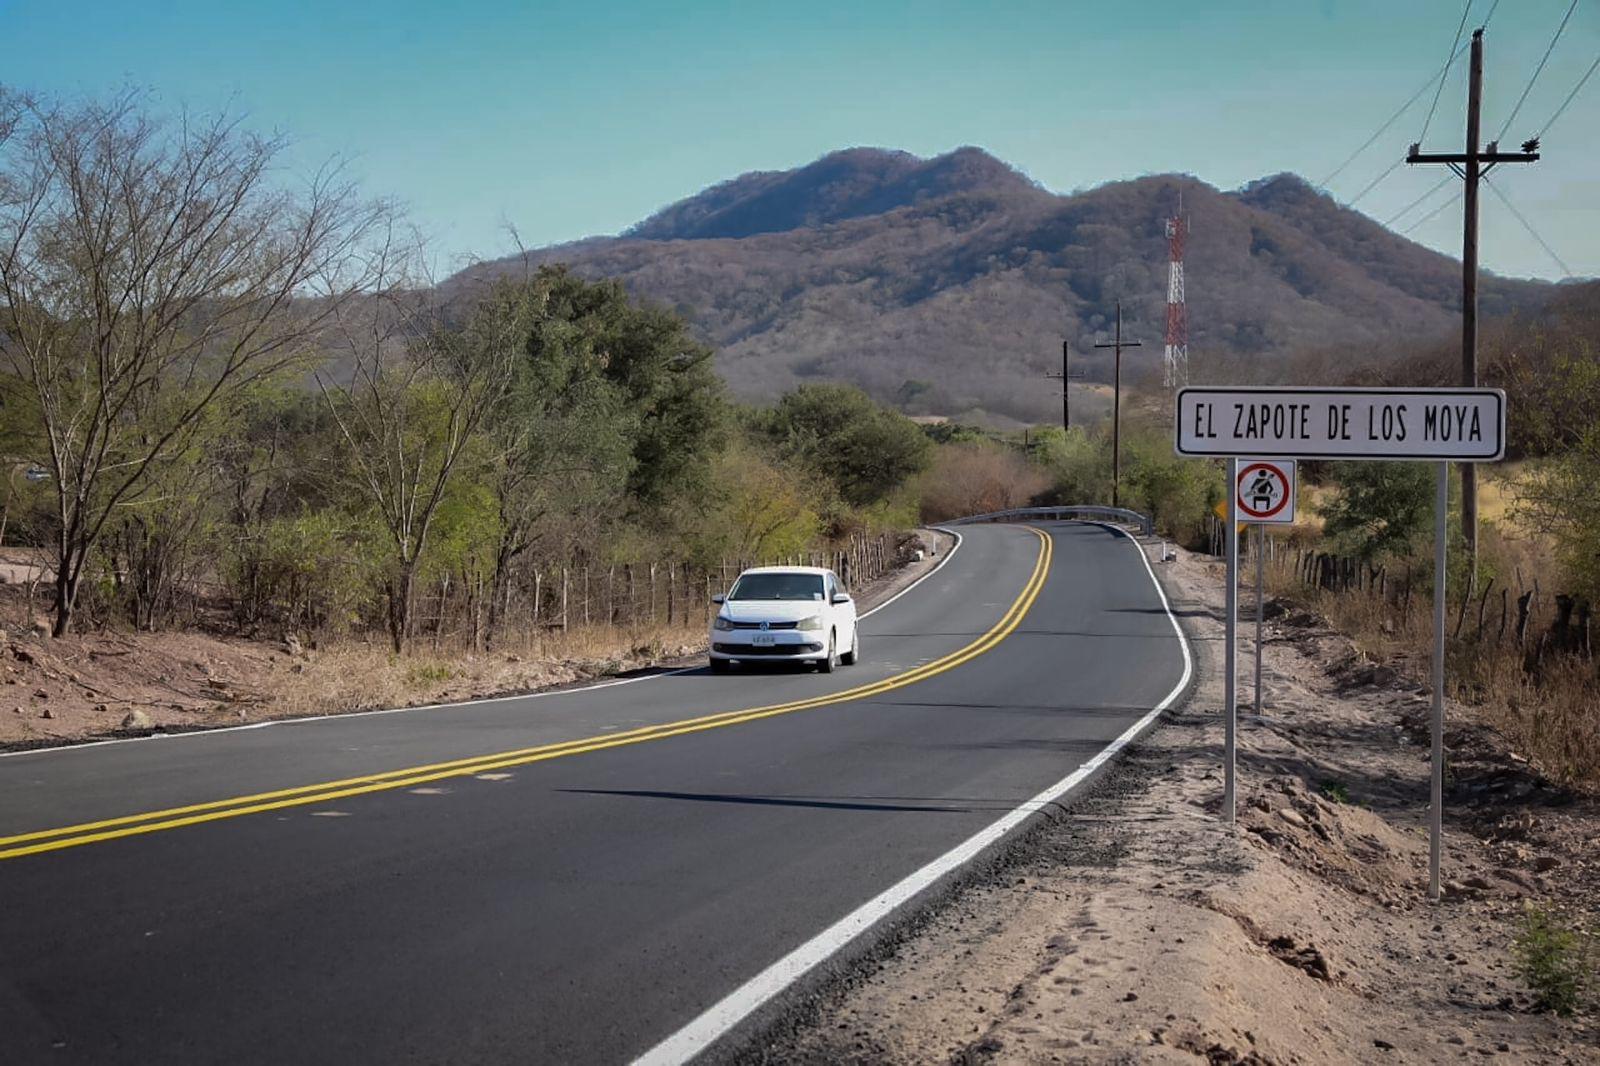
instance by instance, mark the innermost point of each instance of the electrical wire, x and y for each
(1465, 11)
(1407, 209)
(1392, 119)
(1570, 97)
(1430, 215)
(1551, 252)
(1537, 71)
(1373, 184)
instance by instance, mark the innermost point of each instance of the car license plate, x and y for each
(764, 640)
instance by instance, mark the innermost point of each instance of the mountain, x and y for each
(946, 285)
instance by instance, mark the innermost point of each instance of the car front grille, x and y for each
(747, 651)
(770, 625)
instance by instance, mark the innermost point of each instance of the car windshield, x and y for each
(777, 587)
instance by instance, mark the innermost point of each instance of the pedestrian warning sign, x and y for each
(1266, 490)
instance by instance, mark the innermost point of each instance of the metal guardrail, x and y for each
(1118, 515)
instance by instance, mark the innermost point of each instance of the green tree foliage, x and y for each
(646, 355)
(837, 432)
(757, 510)
(150, 270)
(412, 413)
(1079, 464)
(1560, 495)
(1380, 509)
(1177, 493)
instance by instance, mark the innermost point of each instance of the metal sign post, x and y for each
(1446, 425)
(1261, 567)
(1441, 532)
(1230, 675)
(1267, 491)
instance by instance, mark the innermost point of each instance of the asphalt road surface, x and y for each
(574, 877)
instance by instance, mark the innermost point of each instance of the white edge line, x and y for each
(940, 566)
(734, 1008)
(191, 733)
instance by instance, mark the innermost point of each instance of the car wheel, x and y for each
(828, 665)
(849, 658)
(719, 666)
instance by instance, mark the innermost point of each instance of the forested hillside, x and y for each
(944, 286)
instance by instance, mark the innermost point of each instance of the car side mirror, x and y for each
(839, 597)
(719, 598)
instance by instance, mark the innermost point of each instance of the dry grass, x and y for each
(361, 675)
(1551, 714)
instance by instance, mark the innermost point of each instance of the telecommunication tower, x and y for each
(1176, 361)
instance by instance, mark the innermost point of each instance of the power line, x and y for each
(1570, 97)
(1407, 209)
(1465, 11)
(1432, 214)
(1529, 227)
(1537, 70)
(1392, 119)
(1374, 182)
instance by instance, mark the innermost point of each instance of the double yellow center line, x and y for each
(72, 836)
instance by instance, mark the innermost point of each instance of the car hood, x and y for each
(771, 610)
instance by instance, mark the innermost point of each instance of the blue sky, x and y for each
(574, 119)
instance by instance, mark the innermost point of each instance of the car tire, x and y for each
(831, 663)
(719, 666)
(849, 658)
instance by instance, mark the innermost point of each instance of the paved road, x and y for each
(581, 899)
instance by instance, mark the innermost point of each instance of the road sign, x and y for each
(1462, 425)
(1445, 425)
(1266, 490)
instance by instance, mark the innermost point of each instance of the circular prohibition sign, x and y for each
(1263, 491)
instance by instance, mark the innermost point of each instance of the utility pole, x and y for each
(1471, 166)
(1116, 410)
(1065, 376)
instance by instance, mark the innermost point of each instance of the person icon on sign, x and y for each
(1262, 492)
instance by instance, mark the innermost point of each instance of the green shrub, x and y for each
(428, 673)
(1555, 961)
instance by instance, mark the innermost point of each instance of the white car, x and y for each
(794, 613)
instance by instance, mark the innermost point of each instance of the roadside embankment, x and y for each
(1137, 927)
(117, 683)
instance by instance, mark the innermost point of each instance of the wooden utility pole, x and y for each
(1065, 376)
(1472, 165)
(1116, 409)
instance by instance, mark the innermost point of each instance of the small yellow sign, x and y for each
(1221, 511)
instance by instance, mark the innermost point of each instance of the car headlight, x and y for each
(810, 625)
(721, 623)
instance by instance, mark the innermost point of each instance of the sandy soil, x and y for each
(1139, 928)
(94, 685)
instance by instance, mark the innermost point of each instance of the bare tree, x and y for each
(149, 269)
(418, 391)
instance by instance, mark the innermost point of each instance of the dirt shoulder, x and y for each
(108, 684)
(1139, 928)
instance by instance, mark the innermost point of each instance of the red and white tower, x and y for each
(1176, 362)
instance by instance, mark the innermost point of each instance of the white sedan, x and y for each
(795, 613)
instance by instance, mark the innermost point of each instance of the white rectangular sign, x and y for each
(1465, 425)
(1266, 491)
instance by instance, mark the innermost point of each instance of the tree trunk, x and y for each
(400, 607)
(66, 598)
